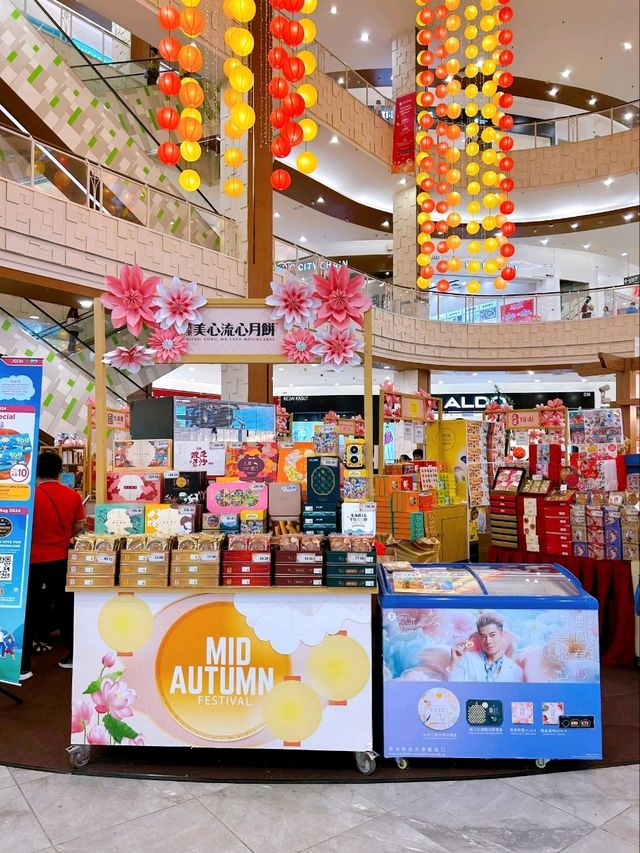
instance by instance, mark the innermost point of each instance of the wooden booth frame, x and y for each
(101, 381)
(408, 399)
(524, 427)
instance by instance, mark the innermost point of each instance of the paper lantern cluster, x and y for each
(291, 96)
(240, 42)
(187, 123)
(463, 159)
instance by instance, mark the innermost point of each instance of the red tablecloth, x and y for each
(609, 581)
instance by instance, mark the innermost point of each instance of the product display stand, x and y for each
(410, 408)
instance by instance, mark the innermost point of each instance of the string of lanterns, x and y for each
(289, 99)
(242, 116)
(446, 128)
(188, 123)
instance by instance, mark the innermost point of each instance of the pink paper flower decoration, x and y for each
(131, 359)
(342, 299)
(298, 346)
(177, 305)
(98, 735)
(115, 698)
(387, 386)
(81, 713)
(338, 347)
(168, 345)
(130, 297)
(293, 302)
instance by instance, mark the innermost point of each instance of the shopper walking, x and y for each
(587, 309)
(58, 516)
(153, 68)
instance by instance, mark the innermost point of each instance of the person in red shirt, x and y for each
(58, 516)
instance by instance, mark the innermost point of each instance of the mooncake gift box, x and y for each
(234, 497)
(171, 520)
(129, 486)
(119, 519)
(285, 499)
(323, 480)
(252, 462)
(184, 487)
(580, 549)
(292, 462)
(142, 453)
(298, 580)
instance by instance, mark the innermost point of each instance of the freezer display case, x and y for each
(489, 661)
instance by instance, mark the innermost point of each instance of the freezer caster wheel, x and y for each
(402, 763)
(79, 755)
(366, 762)
(541, 763)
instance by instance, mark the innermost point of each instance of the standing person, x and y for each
(378, 108)
(418, 454)
(606, 312)
(73, 330)
(153, 68)
(631, 309)
(58, 516)
(587, 309)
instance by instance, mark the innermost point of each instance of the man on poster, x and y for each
(491, 663)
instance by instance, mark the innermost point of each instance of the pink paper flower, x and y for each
(168, 345)
(293, 302)
(109, 659)
(387, 386)
(359, 425)
(131, 359)
(331, 417)
(115, 698)
(98, 735)
(298, 346)
(80, 715)
(177, 305)
(424, 394)
(338, 347)
(130, 298)
(342, 299)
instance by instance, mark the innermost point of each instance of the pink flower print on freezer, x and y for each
(98, 736)
(109, 659)
(133, 741)
(81, 713)
(114, 698)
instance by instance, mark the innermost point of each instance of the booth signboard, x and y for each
(412, 407)
(235, 331)
(256, 670)
(523, 420)
(117, 419)
(20, 391)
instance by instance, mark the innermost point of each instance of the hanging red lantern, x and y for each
(441, 51)
(293, 69)
(277, 27)
(442, 247)
(508, 250)
(505, 37)
(508, 273)
(429, 227)
(507, 185)
(506, 122)
(506, 143)
(425, 99)
(278, 118)
(505, 15)
(441, 91)
(427, 184)
(293, 33)
(442, 207)
(442, 12)
(508, 229)
(428, 248)
(169, 48)
(169, 153)
(280, 148)
(425, 16)
(506, 100)
(277, 56)
(506, 164)
(293, 5)
(278, 88)
(168, 18)
(505, 58)
(442, 227)
(278, 5)
(507, 207)
(280, 180)
(293, 104)
(167, 118)
(426, 121)
(423, 38)
(505, 80)
(441, 32)
(443, 285)
(169, 83)
(426, 272)
(442, 266)
(292, 132)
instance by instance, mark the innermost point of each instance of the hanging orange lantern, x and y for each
(191, 94)
(169, 48)
(190, 129)
(168, 17)
(192, 23)
(190, 58)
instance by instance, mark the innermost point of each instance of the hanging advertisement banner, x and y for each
(235, 331)
(521, 311)
(20, 391)
(264, 670)
(403, 154)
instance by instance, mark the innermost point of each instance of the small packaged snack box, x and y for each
(233, 497)
(323, 480)
(129, 486)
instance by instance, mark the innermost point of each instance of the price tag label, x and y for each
(307, 558)
(261, 558)
(359, 559)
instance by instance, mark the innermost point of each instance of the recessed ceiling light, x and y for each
(537, 381)
(566, 73)
(592, 101)
(364, 36)
(531, 372)
(587, 246)
(334, 10)
(191, 369)
(474, 374)
(574, 225)
(608, 182)
(625, 254)
(281, 369)
(545, 241)
(584, 380)
(627, 45)
(628, 116)
(385, 224)
(33, 317)
(553, 91)
(319, 200)
(386, 367)
(403, 182)
(276, 215)
(628, 217)
(303, 239)
(341, 81)
(334, 140)
(86, 303)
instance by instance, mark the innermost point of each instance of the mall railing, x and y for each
(25, 160)
(576, 128)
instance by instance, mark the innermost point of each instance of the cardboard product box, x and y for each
(253, 515)
(129, 569)
(195, 581)
(299, 569)
(107, 559)
(119, 519)
(144, 581)
(172, 520)
(407, 483)
(425, 503)
(328, 527)
(578, 514)
(351, 558)
(579, 533)
(344, 570)
(142, 453)
(90, 569)
(359, 518)
(184, 487)
(298, 580)
(630, 552)
(208, 557)
(229, 523)
(613, 551)
(405, 501)
(580, 549)
(612, 517)
(281, 526)
(242, 569)
(360, 582)
(254, 526)
(157, 558)
(247, 580)
(558, 538)
(629, 515)
(323, 480)
(91, 581)
(595, 535)
(130, 486)
(595, 515)
(315, 514)
(210, 521)
(285, 499)
(256, 558)
(306, 558)
(233, 497)
(195, 569)
(558, 525)
(596, 551)
(630, 534)
(386, 484)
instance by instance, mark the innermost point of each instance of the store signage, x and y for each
(20, 392)
(463, 403)
(117, 419)
(412, 407)
(523, 420)
(520, 311)
(632, 279)
(403, 134)
(247, 330)
(261, 671)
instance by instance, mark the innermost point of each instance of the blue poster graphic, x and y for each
(20, 392)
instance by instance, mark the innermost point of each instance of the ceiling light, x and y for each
(574, 225)
(403, 182)
(587, 246)
(33, 317)
(545, 241)
(364, 36)
(566, 73)
(474, 374)
(276, 215)
(553, 91)
(537, 381)
(628, 116)
(303, 239)
(627, 45)
(608, 182)
(628, 217)
(385, 224)
(280, 369)
(341, 81)
(531, 372)
(86, 303)
(386, 367)
(625, 254)
(334, 140)
(584, 380)
(592, 101)
(334, 10)
(319, 200)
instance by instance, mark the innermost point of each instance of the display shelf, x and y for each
(185, 592)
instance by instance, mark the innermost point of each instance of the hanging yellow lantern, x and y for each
(474, 266)
(423, 283)
(473, 227)
(488, 23)
(309, 129)
(474, 246)
(423, 260)
(489, 178)
(490, 201)
(452, 155)
(231, 97)
(489, 88)
(242, 10)
(189, 180)
(309, 7)
(190, 4)
(243, 116)
(472, 149)
(474, 207)
(239, 40)
(191, 112)
(499, 283)
(229, 64)
(489, 156)
(309, 94)
(471, 52)
(454, 242)
(190, 151)
(489, 223)
(308, 60)
(233, 157)
(472, 70)
(470, 13)
(490, 266)
(233, 187)
(307, 162)
(309, 29)
(454, 264)
(473, 188)
(232, 131)
(470, 32)
(473, 286)
(241, 78)
(471, 110)
(490, 245)
(472, 169)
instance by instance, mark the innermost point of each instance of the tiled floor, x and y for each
(581, 812)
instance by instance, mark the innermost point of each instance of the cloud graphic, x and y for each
(287, 624)
(16, 388)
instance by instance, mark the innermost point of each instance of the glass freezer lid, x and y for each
(435, 580)
(527, 579)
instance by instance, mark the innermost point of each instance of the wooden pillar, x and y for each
(140, 49)
(368, 398)
(100, 444)
(260, 196)
(424, 379)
